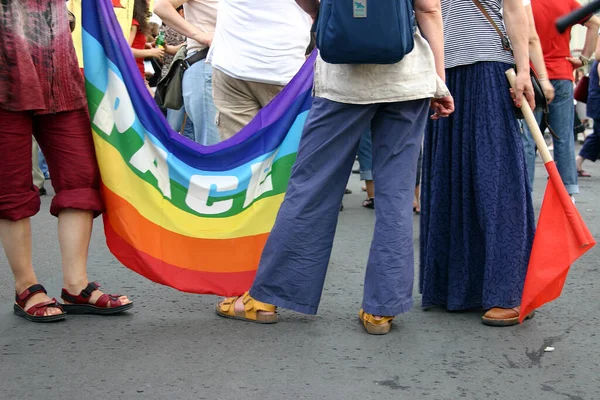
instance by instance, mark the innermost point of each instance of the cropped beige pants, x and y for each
(238, 101)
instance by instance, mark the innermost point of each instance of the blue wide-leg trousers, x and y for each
(296, 256)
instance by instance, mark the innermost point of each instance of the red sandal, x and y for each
(107, 304)
(36, 312)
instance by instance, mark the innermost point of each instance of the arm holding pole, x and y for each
(531, 122)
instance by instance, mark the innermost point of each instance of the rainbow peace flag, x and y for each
(191, 217)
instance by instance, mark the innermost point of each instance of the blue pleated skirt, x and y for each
(477, 221)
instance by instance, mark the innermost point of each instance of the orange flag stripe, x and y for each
(208, 255)
(219, 283)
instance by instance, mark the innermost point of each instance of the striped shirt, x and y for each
(469, 37)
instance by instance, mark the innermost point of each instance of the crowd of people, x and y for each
(445, 106)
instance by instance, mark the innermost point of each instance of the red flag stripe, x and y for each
(181, 279)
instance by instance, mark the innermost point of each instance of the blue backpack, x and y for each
(365, 31)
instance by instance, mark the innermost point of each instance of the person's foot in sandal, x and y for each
(91, 300)
(34, 305)
(503, 316)
(246, 308)
(579, 164)
(369, 203)
(375, 325)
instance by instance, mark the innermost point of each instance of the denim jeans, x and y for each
(43, 164)
(560, 118)
(198, 102)
(365, 156)
(175, 120)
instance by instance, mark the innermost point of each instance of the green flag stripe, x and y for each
(129, 142)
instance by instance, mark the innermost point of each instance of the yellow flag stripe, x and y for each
(150, 203)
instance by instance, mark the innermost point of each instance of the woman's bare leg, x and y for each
(16, 241)
(370, 189)
(74, 233)
(417, 200)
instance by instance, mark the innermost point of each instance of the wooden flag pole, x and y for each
(531, 122)
(572, 215)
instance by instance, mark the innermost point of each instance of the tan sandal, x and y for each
(375, 326)
(503, 316)
(252, 310)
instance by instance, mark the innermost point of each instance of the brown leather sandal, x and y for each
(251, 313)
(503, 316)
(375, 326)
(107, 304)
(36, 312)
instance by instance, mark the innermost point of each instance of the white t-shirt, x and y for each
(260, 41)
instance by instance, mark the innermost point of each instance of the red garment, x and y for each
(139, 42)
(556, 46)
(66, 141)
(38, 65)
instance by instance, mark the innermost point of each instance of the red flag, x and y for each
(117, 3)
(561, 238)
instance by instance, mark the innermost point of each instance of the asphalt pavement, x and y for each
(173, 346)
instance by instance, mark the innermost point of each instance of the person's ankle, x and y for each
(21, 286)
(75, 286)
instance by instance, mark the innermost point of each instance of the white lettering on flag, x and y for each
(115, 107)
(261, 180)
(153, 159)
(199, 192)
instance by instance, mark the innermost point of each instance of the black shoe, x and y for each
(43, 191)
(348, 191)
(342, 207)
